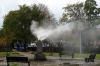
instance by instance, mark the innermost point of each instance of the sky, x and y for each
(55, 6)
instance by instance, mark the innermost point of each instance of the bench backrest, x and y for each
(17, 59)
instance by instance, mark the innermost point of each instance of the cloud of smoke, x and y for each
(43, 33)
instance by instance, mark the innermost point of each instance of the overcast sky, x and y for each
(55, 6)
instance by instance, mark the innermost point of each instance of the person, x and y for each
(18, 45)
(60, 55)
(72, 55)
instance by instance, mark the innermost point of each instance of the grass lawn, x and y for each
(98, 56)
(51, 54)
(86, 55)
(77, 55)
(14, 64)
(4, 54)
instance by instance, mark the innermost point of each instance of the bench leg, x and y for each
(8, 64)
(28, 63)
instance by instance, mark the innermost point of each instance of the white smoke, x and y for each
(42, 33)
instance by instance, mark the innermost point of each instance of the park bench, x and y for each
(17, 59)
(90, 58)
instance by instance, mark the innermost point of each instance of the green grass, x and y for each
(81, 55)
(86, 55)
(98, 56)
(3, 54)
(77, 55)
(51, 54)
(14, 64)
(14, 54)
(98, 65)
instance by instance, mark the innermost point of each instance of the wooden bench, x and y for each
(91, 58)
(17, 59)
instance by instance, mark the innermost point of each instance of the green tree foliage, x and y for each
(17, 23)
(4, 40)
(87, 13)
(73, 12)
(91, 11)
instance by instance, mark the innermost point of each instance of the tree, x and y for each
(73, 12)
(17, 23)
(4, 41)
(91, 11)
(86, 13)
(92, 14)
